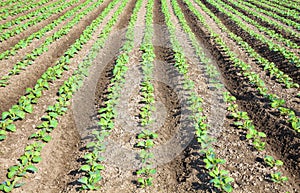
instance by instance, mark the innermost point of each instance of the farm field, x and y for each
(150, 96)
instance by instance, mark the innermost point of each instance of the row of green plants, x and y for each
(293, 18)
(146, 137)
(219, 177)
(24, 26)
(268, 66)
(92, 159)
(50, 120)
(39, 34)
(287, 3)
(289, 55)
(275, 102)
(31, 57)
(26, 102)
(22, 9)
(271, 33)
(242, 121)
(37, 12)
(274, 13)
(13, 7)
(282, 6)
(275, 16)
(7, 3)
(272, 23)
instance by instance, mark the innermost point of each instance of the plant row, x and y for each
(289, 55)
(220, 178)
(293, 18)
(287, 3)
(254, 79)
(276, 24)
(8, 2)
(13, 7)
(37, 12)
(31, 57)
(283, 8)
(50, 120)
(37, 35)
(24, 8)
(26, 102)
(273, 34)
(242, 121)
(146, 137)
(22, 27)
(266, 64)
(92, 159)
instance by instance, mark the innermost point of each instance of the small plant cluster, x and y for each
(92, 165)
(26, 102)
(220, 178)
(289, 55)
(30, 58)
(50, 120)
(37, 35)
(275, 101)
(23, 8)
(147, 137)
(242, 121)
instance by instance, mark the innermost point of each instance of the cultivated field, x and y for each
(150, 96)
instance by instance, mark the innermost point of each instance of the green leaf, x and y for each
(83, 180)
(11, 127)
(85, 168)
(31, 168)
(47, 138)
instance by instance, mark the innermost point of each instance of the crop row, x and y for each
(277, 25)
(146, 136)
(92, 159)
(8, 2)
(262, 29)
(37, 35)
(293, 17)
(287, 3)
(220, 178)
(22, 27)
(28, 6)
(290, 56)
(37, 12)
(289, 11)
(266, 64)
(13, 7)
(272, 14)
(65, 93)
(275, 101)
(31, 57)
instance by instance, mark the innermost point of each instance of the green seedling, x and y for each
(278, 178)
(270, 161)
